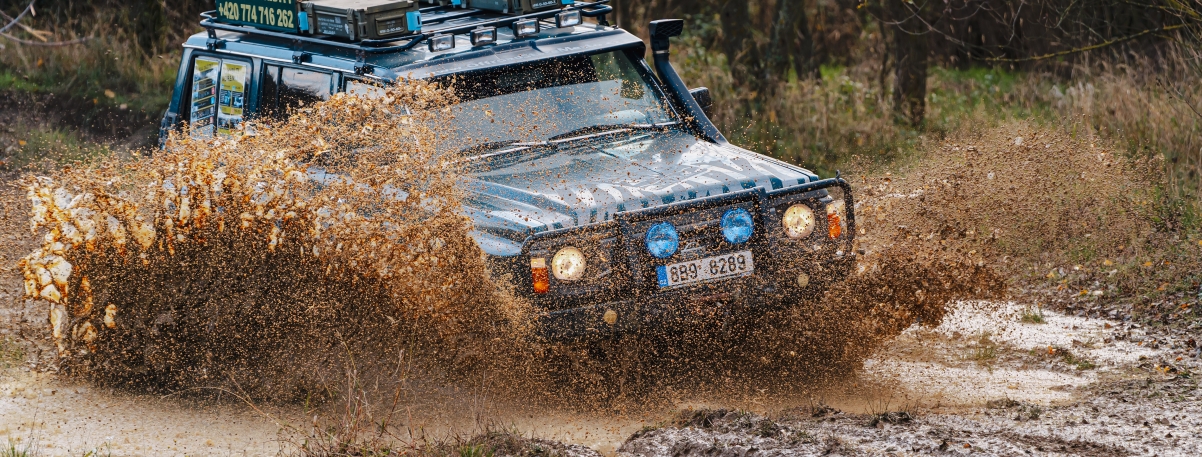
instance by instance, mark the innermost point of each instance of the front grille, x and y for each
(699, 224)
(620, 266)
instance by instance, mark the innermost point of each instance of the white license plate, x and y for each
(704, 269)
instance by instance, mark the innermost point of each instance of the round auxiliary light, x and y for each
(737, 226)
(568, 264)
(798, 221)
(662, 240)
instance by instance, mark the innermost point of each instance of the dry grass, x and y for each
(1069, 213)
(824, 122)
(107, 87)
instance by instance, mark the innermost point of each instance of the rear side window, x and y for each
(218, 96)
(286, 88)
(365, 89)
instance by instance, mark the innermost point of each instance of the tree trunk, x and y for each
(910, 51)
(792, 43)
(150, 24)
(742, 54)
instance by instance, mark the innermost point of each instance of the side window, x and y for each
(364, 89)
(286, 88)
(218, 96)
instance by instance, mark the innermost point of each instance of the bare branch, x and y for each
(1090, 47)
(47, 44)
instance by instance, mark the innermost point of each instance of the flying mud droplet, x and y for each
(348, 239)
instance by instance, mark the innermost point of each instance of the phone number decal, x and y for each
(271, 14)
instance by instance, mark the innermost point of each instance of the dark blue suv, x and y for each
(628, 210)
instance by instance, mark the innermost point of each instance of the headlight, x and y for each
(662, 240)
(568, 264)
(737, 226)
(798, 221)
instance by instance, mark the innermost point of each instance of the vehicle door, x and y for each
(218, 88)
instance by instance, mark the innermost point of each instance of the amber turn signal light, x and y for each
(832, 222)
(539, 276)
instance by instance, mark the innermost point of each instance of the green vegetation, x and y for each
(475, 450)
(1032, 315)
(11, 354)
(17, 450)
(41, 146)
(107, 87)
(102, 74)
(984, 351)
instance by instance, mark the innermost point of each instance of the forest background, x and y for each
(815, 82)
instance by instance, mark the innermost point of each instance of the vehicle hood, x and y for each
(592, 181)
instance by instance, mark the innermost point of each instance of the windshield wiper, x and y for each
(597, 130)
(494, 150)
(511, 148)
(494, 145)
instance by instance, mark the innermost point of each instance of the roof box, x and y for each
(518, 7)
(358, 20)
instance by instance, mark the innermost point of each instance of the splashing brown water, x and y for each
(218, 263)
(226, 261)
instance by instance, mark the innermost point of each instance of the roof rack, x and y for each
(432, 16)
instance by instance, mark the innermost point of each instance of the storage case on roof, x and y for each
(358, 20)
(518, 6)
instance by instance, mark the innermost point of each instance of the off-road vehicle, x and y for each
(630, 210)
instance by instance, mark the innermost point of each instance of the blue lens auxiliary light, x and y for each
(737, 226)
(662, 240)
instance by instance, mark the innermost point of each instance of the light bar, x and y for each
(525, 28)
(483, 36)
(442, 42)
(567, 19)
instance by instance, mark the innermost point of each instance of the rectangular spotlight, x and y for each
(483, 36)
(567, 19)
(525, 28)
(442, 42)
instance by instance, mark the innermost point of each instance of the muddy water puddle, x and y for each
(1000, 393)
(985, 351)
(47, 417)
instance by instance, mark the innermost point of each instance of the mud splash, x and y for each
(274, 262)
(246, 262)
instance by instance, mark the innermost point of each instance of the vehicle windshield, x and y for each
(546, 99)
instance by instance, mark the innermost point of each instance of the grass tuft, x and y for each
(1067, 357)
(1032, 315)
(984, 351)
(15, 450)
(11, 353)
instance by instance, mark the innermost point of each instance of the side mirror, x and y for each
(702, 96)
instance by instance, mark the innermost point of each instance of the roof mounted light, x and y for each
(441, 42)
(567, 19)
(483, 36)
(525, 28)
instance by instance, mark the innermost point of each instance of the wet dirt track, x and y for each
(927, 393)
